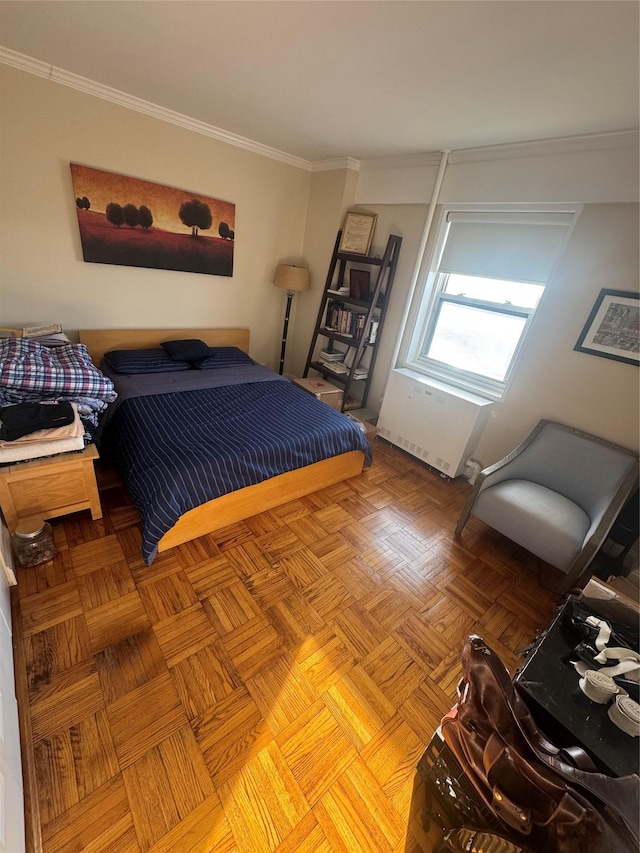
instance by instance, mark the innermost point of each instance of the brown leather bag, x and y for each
(551, 799)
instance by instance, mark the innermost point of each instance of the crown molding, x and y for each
(336, 163)
(626, 138)
(115, 96)
(24, 63)
(403, 161)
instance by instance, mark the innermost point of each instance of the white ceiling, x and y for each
(320, 79)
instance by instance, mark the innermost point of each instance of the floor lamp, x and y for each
(291, 279)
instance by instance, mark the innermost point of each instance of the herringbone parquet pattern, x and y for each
(270, 687)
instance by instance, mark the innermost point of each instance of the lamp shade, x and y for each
(290, 277)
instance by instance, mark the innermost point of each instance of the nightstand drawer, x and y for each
(46, 493)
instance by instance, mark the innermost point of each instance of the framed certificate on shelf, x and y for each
(357, 232)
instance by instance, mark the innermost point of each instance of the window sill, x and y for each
(472, 395)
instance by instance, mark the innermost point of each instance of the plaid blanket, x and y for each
(30, 372)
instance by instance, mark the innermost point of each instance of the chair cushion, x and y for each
(549, 525)
(581, 467)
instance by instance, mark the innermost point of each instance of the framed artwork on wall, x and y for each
(612, 329)
(357, 232)
(131, 222)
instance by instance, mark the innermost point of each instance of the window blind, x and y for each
(515, 247)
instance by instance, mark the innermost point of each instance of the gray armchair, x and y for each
(557, 495)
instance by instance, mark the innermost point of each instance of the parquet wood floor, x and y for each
(268, 688)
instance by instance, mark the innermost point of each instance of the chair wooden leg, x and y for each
(466, 512)
(574, 581)
(463, 520)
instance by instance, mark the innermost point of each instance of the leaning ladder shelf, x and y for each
(361, 347)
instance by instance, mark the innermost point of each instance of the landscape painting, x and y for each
(136, 223)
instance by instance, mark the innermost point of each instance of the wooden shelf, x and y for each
(343, 378)
(359, 259)
(372, 310)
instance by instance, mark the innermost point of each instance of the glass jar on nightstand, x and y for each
(33, 542)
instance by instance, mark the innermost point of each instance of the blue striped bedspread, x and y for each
(178, 450)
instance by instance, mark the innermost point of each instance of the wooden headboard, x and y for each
(99, 341)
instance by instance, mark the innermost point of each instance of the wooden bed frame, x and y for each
(244, 503)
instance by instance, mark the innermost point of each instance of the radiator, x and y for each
(429, 421)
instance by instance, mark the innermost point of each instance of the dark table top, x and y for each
(564, 713)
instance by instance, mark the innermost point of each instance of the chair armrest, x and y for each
(599, 530)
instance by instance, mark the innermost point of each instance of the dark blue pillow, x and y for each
(142, 361)
(223, 357)
(190, 349)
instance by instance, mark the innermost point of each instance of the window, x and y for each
(480, 296)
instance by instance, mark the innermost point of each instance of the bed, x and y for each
(199, 450)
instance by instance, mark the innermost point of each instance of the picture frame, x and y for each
(357, 232)
(359, 281)
(132, 222)
(612, 329)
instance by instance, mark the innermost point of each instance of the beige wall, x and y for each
(407, 221)
(44, 127)
(551, 380)
(596, 394)
(331, 193)
(284, 213)
(605, 170)
(591, 169)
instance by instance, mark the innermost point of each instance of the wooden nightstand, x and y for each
(49, 487)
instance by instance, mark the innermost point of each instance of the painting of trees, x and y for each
(145, 217)
(195, 214)
(131, 215)
(115, 214)
(133, 222)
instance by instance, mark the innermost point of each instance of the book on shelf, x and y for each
(361, 373)
(331, 355)
(344, 321)
(339, 291)
(373, 331)
(334, 366)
